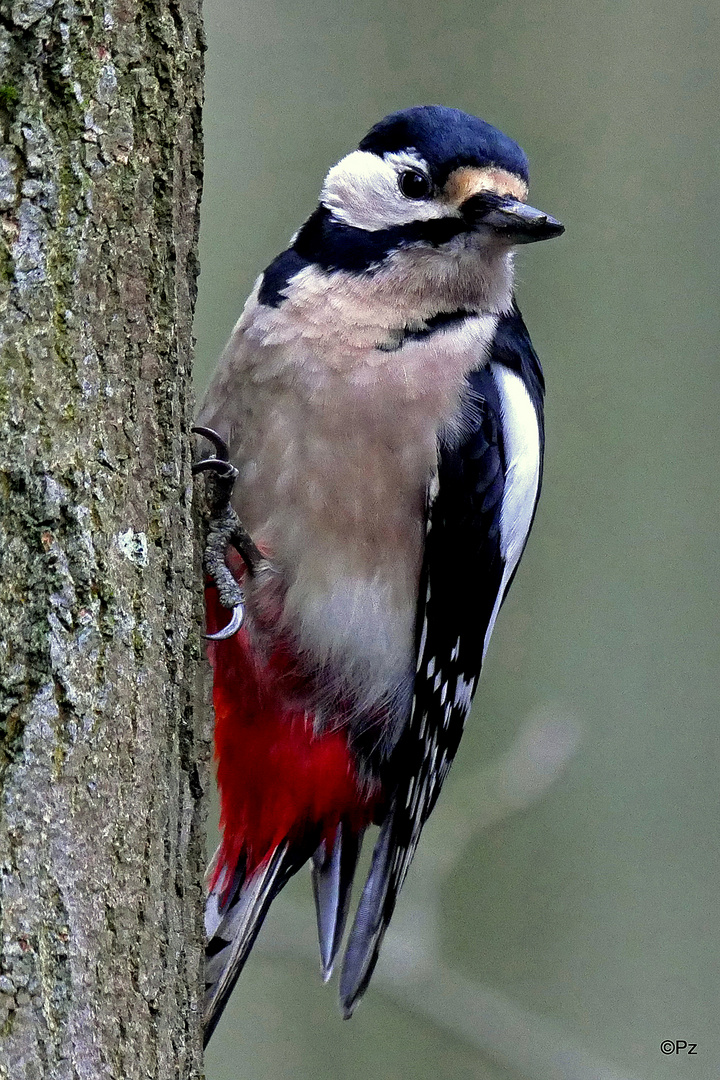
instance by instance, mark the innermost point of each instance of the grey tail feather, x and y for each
(232, 927)
(332, 877)
(371, 919)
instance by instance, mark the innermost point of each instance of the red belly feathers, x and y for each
(278, 779)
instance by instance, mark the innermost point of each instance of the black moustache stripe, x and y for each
(331, 245)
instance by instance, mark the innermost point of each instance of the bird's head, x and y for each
(437, 174)
(421, 219)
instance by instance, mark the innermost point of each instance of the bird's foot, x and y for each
(225, 530)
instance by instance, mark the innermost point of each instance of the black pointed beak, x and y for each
(510, 218)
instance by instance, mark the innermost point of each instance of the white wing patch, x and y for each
(521, 441)
(464, 691)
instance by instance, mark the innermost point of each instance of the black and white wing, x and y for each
(479, 516)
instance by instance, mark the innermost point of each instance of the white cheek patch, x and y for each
(362, 191)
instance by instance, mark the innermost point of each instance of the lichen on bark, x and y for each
(102, 752)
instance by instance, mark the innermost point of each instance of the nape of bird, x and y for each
(377, 424)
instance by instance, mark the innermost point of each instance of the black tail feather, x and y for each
(232, 927)
(371, 919)
(332, 877)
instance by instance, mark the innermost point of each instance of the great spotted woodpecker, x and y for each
(377, 420)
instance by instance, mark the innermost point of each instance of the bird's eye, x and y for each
(414, 184)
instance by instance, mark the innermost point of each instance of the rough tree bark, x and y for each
(101, 752)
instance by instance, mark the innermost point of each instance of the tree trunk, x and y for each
(101, 751)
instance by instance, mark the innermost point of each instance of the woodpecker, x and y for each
(377, 426)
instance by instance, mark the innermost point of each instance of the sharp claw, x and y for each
(236, 621)
(218, 465)
(224, 529)
(221, 447)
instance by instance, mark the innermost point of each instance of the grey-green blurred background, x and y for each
(561, 919)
